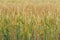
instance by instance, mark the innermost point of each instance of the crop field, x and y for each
(29, 21)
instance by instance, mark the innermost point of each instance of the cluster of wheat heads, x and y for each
(31, 22)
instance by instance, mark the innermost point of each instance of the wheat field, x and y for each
(29, 20)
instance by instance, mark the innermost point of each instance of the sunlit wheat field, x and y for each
(29, 20)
